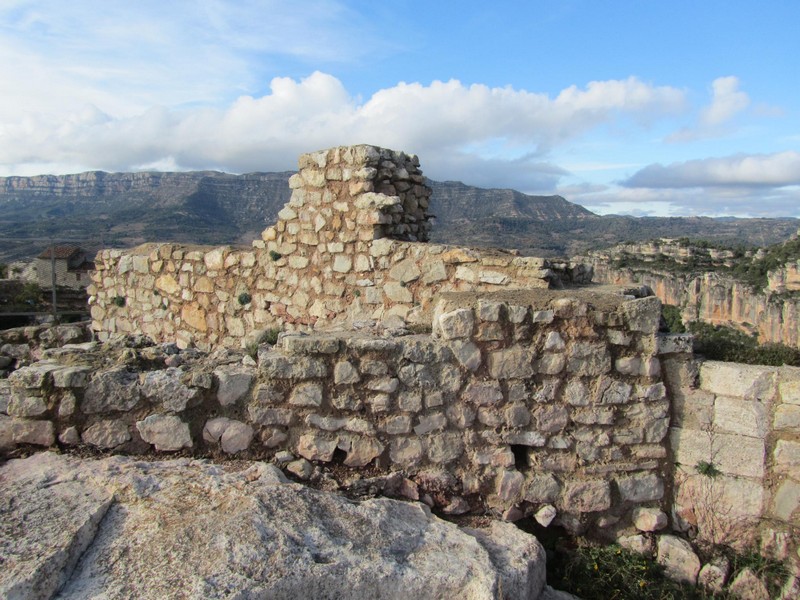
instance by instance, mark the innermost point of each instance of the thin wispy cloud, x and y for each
(771, 170)
(727, 101)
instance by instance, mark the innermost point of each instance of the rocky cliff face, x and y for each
(126, 209)
(715, 298)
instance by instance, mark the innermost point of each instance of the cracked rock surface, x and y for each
(126, 528)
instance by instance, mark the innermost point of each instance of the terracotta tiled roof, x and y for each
(59, 252)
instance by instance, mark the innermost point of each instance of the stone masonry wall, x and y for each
(541, 402)
(348, 246)
(735, 436)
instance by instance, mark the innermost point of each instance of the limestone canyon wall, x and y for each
(716, 299)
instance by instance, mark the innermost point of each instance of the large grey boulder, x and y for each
(200, 530)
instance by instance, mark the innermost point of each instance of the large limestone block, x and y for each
(642, 314)
(106, 434)
(736, 455)
(233, 383)
(43, 537)
(678, 559)
(113, 390)
(513, 363)
(741, 416)
(166, 432)
(165, 387)
(737, 380)
(254, 533)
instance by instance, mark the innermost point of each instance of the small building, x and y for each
(71, 264)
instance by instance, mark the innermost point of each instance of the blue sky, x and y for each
(633, 107)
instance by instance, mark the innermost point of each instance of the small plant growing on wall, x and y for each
(244, 298)
(119, 301)
(275, 255)
(709, 469)
(271, 336)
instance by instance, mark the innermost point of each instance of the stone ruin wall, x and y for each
(744, 421)
(349, 246)
(547, 402)
(562, 404)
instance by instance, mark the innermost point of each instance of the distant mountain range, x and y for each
(206, 207)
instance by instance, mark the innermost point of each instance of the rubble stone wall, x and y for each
(541, 402)
(349, 245)
(735, 436)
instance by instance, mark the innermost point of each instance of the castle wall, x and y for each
(522, 401)
(735, 438)
(348, 246)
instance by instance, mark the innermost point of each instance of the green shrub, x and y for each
(731, 345)
(709, 469)
(275, 255)
(272, 336)
(606, 572)
(672, 316)
(244, 298)
(30, 294)
(119, 301)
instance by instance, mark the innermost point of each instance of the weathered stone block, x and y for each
(586, 496)
(429, 423)
(166, 432)
(737, 380)
(106, 434)
(787, 416)
(551, 418)
(71, 377)
(740, 416)
(588, 358)
(786, 456)
(26, 403)
(513, 363)
(344, 372)
(443, 448)
(306, 394)
(678, 559)
(542, 488)
(509, 486)
(732, 454)
(483, 393)
(649, 519)
(642, 487)
(467, 354)
(165, 387)
(642, 314)
(406, 451)
(362, 451)
(316, 446)
(113, 390)
(275, 365)
(398, 424)
(455, 324)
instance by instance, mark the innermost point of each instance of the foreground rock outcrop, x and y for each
(127, 528)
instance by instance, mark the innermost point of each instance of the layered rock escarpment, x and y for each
(772, 313)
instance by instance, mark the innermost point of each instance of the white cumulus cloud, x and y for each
(446, 123)
(762, 170)
(727, 101)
